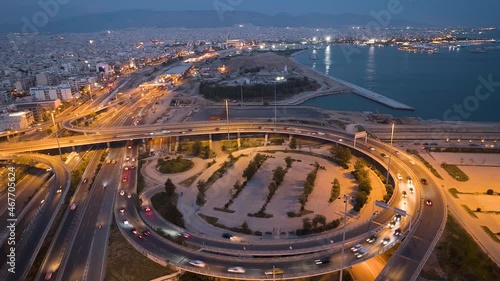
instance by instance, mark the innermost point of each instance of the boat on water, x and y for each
(478, 50)
(313, 55)
(414, 49)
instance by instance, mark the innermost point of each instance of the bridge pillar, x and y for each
(210, 141)
(266, 138)
(108, 144)
(176, 144)
(73, 148)
(238, 140)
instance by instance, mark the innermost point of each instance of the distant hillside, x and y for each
(195, 19)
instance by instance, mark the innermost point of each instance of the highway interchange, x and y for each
(78, 249)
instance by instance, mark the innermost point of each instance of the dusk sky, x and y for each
(441, 12)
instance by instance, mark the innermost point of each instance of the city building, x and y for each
(62, 92)
(38, 108)
(16, 120)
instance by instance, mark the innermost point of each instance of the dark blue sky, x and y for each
(439, 12)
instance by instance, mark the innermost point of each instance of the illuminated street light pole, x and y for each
(90, 93)
(390, 156)
(57, 136)
(275, 102)
(346, 198)
(227, 121)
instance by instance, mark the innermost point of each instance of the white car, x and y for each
(372, 148)
(361, 253)
(399, 177)
(356, 248)
(197, 263)
(236, 269)
(412, 162)
(122, 192)
(125, 222)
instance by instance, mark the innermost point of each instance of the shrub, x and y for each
(489, 191)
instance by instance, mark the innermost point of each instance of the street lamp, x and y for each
(390, 155)
(280, 78)
(227, 121)
(57, 136)
(346, 199)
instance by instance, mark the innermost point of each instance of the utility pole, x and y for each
(346, 198)
(57, 136)
(227, 121)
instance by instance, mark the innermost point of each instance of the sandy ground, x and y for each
(253, 196)
(481, 178)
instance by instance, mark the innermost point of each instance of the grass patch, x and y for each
(172, 166)
(224, 210)
(427, 164)
(189, 181)
(140, 178)
(471, 213)
(209, 219)
(455, 172)
(461, 258)
(121, 255)
(454, 192)
(493, 236)
(242, 229)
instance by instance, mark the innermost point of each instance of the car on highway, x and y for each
(323, 260)
(386, 240)
(129, 147)
(108, 161)
(49, 170)
(412, 162)
(408, 180)
(197, 263)
(396, 152)
(146, 232)
(59, 190)
(428, 202)
(129, 195)
(411, 189)
(228, 236)
(372, 148)
(275, 271)
(125, 179)
(384, 155)
(126, 222)
(397, 232)
(391, 224)
(132, 167)
(185, 235)
(122, 192)
(341, 140)
(122, 210)
(371, 239)
(361, 253)
(85, 180)
(113, 162)
(423, 181)
(147, 209)
(356, 248)
(133, 159)
(48, 276)
(398, 175)
(127, 159)
(397, 217)
(236, 269)
(73, 206)
(126, 168)
(134, 231)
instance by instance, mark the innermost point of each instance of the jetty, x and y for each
(360, 91)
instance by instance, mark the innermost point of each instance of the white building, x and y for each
(16, 120)
(62, 92)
